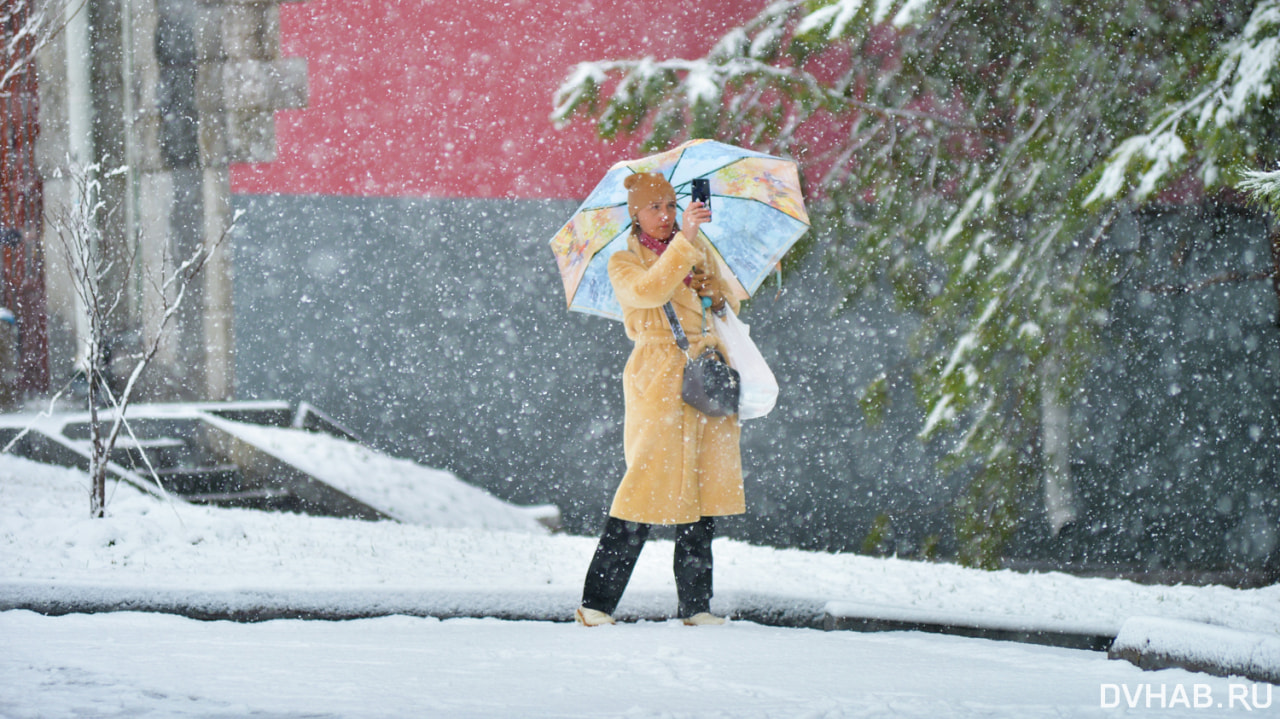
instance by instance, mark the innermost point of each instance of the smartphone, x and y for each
(701, 191)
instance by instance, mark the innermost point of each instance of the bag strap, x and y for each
(682, 341)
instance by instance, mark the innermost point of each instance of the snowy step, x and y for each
(159, 451)
(129, 444)
(249, 499)
(264, 455)
(225, 485)
(863, 617)
(189, 481)
(148, 443)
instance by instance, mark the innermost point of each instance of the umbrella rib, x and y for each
(758, 201)
(705, 174)
(676, 165)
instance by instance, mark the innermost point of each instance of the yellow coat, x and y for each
(681, 464)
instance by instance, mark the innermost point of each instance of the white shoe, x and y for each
(591, 617)
(703, 619)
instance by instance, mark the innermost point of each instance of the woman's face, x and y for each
(658, 218)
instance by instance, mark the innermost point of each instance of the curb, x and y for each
(249, 605)
(880, 618)
(1149, 643)
(1155, 643)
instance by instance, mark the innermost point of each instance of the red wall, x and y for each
(431, 98)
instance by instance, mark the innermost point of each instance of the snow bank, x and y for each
(1156, 643)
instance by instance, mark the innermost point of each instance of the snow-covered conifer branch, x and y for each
(1247, 72)
(837, 17)
(1263, 187)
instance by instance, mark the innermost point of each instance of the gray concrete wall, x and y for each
(1176, 449)
(438, 330)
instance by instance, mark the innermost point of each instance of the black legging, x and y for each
(616, 556)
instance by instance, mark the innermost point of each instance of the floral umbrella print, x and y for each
(757, 215)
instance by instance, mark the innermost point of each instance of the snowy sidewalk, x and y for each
(224, 563)
(154, 665)
(1149, 643)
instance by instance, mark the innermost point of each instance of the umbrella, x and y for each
(757, 215)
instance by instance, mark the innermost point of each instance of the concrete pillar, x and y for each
(218, 310)
(65, 141)
(176, 91)
(240, 84)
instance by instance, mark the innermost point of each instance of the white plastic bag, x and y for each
(759, 387)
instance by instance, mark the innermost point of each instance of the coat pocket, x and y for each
(652, 370)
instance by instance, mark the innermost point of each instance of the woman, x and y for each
(683, 467)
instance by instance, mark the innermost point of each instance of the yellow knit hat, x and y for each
(645, 188)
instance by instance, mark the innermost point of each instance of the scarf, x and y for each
(660, 246)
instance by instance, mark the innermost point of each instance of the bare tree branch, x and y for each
(1222, 279)
(90, 266)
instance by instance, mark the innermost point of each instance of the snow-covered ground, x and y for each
(150, 664)
(402, 489)
(137, 665)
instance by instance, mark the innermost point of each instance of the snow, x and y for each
(1264, 186)
(1252, 59)
(967, 342)
(1113, 179)
(700, 84)
(763, 44)
(843, 12)
(912, 11)
(942, 411)
(407, 491)
(1243, 83)
(585, 75)
(734, 43)
(982, 197)
(848, 11)
(819, 18)
(137, 665)
(1201, 645)
(845, 610)
(148, 551)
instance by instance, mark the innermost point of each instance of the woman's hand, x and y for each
(704, 284)
(695, 215)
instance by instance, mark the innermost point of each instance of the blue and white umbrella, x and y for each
(758, 214)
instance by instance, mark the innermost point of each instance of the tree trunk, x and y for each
(1055, 448)
(1275, 262)
(97, 462)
